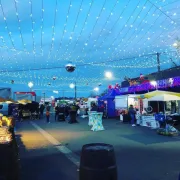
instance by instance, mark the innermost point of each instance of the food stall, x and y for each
(147, 117)
(122, 103)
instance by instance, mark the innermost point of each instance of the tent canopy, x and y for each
(158, 93)
(110, 95)
(165, 97)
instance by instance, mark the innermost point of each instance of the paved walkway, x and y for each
(53, 150)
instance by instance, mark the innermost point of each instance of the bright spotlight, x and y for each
(175, 44)
(30, 84)
(108, 74)
(96, 89)
(72, 86)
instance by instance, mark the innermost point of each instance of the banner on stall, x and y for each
(149, 121)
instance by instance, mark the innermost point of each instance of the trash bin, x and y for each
(98, 162)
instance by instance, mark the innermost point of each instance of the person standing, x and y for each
(94, 107)
(132, 113)
(41, 110)
(47, 115)
(56, 112)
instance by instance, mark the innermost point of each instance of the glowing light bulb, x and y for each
(72, 85)
(108, 74)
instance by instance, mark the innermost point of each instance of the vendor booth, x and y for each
(122, 104)
(25, 95)
(108, 101)
(160, 98)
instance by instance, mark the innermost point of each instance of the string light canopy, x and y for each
(38, 38)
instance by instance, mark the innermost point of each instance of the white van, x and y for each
(4, 108)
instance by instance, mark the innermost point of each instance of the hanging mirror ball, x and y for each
(70, 67)
(54, 78)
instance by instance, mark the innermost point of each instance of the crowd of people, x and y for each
(61, 111)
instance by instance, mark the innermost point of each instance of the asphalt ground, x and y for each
(52, 151)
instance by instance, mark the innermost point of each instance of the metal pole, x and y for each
(75, 90)
(127, 102)
(44, 97)
(158, 62)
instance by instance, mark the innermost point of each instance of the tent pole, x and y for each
(164, 111)
(127, 102)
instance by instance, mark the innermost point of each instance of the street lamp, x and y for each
(108, 74)
(175, 44)
(30, 84)
(72, 85)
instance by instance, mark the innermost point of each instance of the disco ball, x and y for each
(70, 67)
(54, 78)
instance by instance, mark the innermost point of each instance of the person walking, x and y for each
(132, 113)
(47, 115)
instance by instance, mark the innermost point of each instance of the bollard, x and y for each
(98, 162)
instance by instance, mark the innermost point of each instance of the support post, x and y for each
(44, 97)
(158, 62)
(63, 93)
(75, 91)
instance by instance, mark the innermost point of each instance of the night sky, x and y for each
(39, 37)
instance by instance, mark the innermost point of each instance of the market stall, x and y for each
(148, 118)
(122, 104)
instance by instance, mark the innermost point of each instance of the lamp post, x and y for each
(30, 84)
(75, 91)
